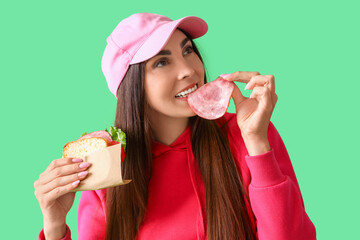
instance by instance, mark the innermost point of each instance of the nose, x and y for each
(185, 70)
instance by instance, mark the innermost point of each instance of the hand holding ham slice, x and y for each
(211, 100)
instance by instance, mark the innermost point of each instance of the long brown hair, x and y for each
(226, 213)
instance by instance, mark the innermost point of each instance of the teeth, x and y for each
(186, 92)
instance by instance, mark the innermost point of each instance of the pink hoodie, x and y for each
(176, 204)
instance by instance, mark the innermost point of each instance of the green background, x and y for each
(53, 89)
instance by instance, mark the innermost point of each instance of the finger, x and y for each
(263, 95)
(61, 162)
(63, 171)
(59, 191)
(274, 99)
(262, 80)
(63, 181)
(271, 84)
(255, 93)
(239, 76)
(237, 96)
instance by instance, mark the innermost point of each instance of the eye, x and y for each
(162, 62)
(189, 50)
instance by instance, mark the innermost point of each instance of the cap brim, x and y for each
(194, 26)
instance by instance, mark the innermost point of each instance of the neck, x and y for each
(167, 129)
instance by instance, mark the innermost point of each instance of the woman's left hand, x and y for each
(254, 113)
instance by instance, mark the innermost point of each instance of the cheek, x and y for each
(199, 68)
(156, 91)
(150, 93)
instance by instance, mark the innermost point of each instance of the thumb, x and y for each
(237, 96)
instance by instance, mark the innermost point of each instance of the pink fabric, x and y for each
(176, 206)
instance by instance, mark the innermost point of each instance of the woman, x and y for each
(192, 178)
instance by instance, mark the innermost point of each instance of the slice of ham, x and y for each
(101, 134)
(211, 100)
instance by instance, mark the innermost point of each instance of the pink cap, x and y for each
(140, 37)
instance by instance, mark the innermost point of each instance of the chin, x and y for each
(191, 114)
(182, 114)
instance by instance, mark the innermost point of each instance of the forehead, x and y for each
(176, 38)
(175, 42)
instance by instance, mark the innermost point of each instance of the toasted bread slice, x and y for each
(83, 147)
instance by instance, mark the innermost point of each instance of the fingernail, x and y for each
(225, 75)
(83, 173)
(76, 182)
(84, 165)
(247, 86)
(77, 160)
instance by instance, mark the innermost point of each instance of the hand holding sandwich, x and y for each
(53, 192)
(56, 186)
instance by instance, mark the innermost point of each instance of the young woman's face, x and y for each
(177, 68)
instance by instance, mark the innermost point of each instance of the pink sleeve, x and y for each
(67, 236)
(275, 195)
(91, 217)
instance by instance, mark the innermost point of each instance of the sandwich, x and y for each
(105, 150)
(95, 141)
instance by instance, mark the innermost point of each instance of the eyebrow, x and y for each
(167, 52)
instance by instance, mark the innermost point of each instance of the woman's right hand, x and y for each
(54, 186)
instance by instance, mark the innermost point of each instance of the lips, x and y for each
(188, 87)
(185, 91)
